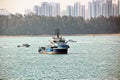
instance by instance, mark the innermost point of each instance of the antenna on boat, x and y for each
(57, 32)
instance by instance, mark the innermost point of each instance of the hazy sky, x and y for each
(20, 5)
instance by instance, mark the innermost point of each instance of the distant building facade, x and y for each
(70, 10)
(4, 12)
(47, 9)
(118, 7)
(36, 10)
(82, 11)
(95, 8)
(108, 8)
(28, 11)
(76, 9)
(105, 8)
(89, 9)
(114, 10)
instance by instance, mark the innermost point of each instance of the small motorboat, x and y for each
(24, 45)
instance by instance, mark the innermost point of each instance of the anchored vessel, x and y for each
(57, 45)
(24, 45)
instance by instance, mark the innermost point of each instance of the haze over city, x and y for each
(83, 8)
(19, 6)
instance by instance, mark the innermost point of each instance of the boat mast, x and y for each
(57, 32)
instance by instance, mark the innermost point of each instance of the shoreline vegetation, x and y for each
(42, 25)
(116, 34)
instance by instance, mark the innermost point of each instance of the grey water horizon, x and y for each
(90, 58)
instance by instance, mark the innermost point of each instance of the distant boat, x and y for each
(24, 45)
(57, 45)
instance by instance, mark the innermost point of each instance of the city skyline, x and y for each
(17, 6)
(94, 8)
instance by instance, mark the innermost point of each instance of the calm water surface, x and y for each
(91, 58)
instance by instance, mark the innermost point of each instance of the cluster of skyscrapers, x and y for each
(95, 8)
(76, 10)
(103, 7)
(47, 9)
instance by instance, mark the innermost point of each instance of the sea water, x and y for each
(90, 58)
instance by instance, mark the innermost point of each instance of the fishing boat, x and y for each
(24, 45)
(57, 45)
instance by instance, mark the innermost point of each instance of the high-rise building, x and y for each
(54, 9)
(82, 11)
(28, 11)
(99, 8)
(114, 10)
(36, 9)
(94, 9)
(57, 9)
(108, 8)
(76, 9)
(39, 10)
(118, 7)
(50, 9)
(70, 10)
(103, 9)
(89, 9)
(45, 8)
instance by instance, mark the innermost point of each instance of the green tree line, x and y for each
(38, 25)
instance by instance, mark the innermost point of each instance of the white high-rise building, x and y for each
(82, 11)
(99, 8)
(94, 9)
(118, 7)
(76, 9)
(108, 8)
(89, 9)
(50, 9)
(36, 9)
(39, 11)
(103, 9)
(57, 9)
(114, 10)
(70, 10)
